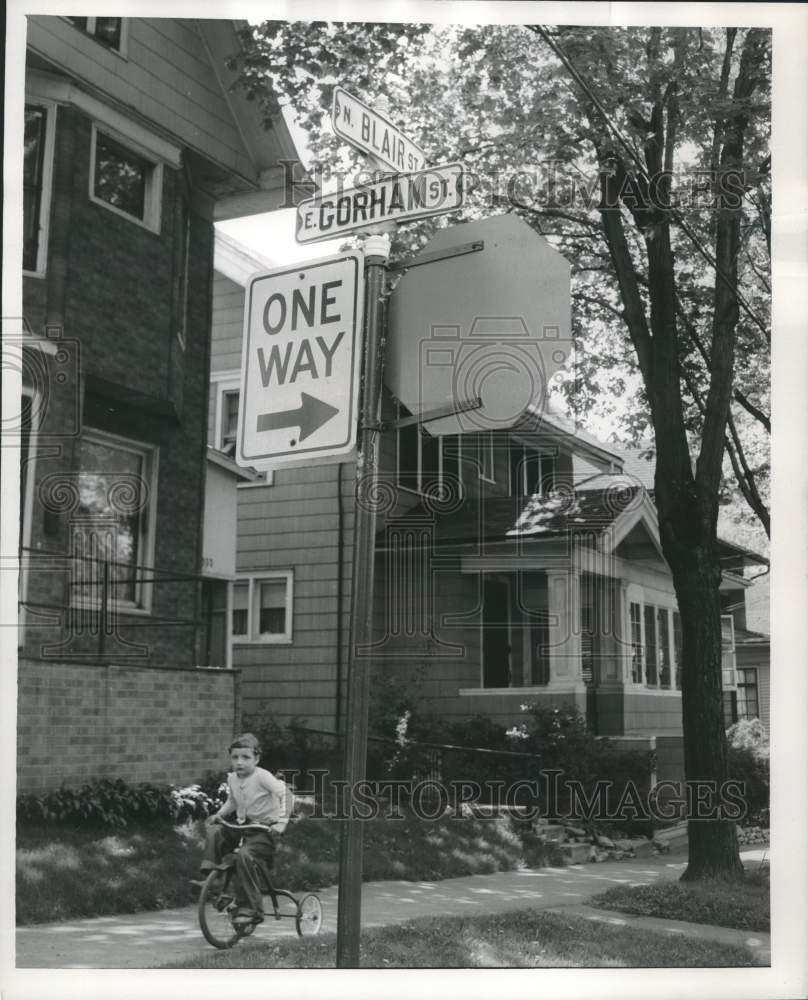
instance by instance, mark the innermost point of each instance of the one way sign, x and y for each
(300, 362)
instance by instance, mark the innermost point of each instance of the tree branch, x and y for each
(725, 316)
(746, 478)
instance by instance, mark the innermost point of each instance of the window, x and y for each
(272, 608)
(106, 30)
(650, 646)
(225, 422)
(37, 161)
(728, 680)
(677, 647)
(663, 643)
(450, 450)
(424, 462)
(229, 422)
(407, 452)
(113, 527)
(531, 471)
(26, 429)
(636, 643)
(748, 693)
(125, 181)
(241, 604)
(485, 456)
(587, 590)
(262, 608)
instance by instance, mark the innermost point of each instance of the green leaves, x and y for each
(116, 804)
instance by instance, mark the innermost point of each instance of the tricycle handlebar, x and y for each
(245, 826)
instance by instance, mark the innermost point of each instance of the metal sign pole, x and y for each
(377, 250)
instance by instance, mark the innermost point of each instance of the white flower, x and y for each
(516, 733)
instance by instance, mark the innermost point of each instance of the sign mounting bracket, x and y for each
(435, 255)
(463, 406)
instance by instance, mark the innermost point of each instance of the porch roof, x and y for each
(562, 513)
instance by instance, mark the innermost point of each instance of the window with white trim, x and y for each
(229, 421)
(37, 170)
(262, 608)
(125, 180)
(109, 31)
(655, 644)
(225, 422)
(426, 463)
(635, 616)
(650, 646)
(677, 648)
(485, 457)
(112, 528)
(728, 679)
(748, 707)
(663, 647)
(531, 471)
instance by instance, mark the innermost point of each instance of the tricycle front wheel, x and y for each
(214, 909)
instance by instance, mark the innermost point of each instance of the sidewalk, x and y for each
(146, 940)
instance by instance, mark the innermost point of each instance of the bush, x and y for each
(117, 803)
(749, 734)
(745, 766)
(563, 742)
(293, 747)
(748, 762)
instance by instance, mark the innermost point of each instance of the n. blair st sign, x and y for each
(374, 134)
(400, 198)
(300, 362)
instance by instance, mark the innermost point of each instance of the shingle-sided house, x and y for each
(134, 143)
(513, 566)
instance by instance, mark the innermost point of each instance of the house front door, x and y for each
(496, 633)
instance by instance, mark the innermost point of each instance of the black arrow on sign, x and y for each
(309, 416)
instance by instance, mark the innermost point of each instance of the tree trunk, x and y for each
(712, 842)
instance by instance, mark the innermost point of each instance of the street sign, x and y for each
(372, 133)
(300, 362)
(400, 198)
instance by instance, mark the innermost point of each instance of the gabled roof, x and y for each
(235, 261)
(175, 87)
(551, 423)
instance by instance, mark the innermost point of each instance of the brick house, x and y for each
(134, 145)
(522, 565)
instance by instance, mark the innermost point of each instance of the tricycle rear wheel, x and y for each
(309, 918)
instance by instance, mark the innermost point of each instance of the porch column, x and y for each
(564, 607)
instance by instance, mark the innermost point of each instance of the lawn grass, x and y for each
(515, 939)
(744, 905)
(63, 873)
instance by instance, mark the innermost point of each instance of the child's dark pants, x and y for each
(258, 847)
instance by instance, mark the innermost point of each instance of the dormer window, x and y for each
(532, 471)
(426, 463)
(106, 30)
